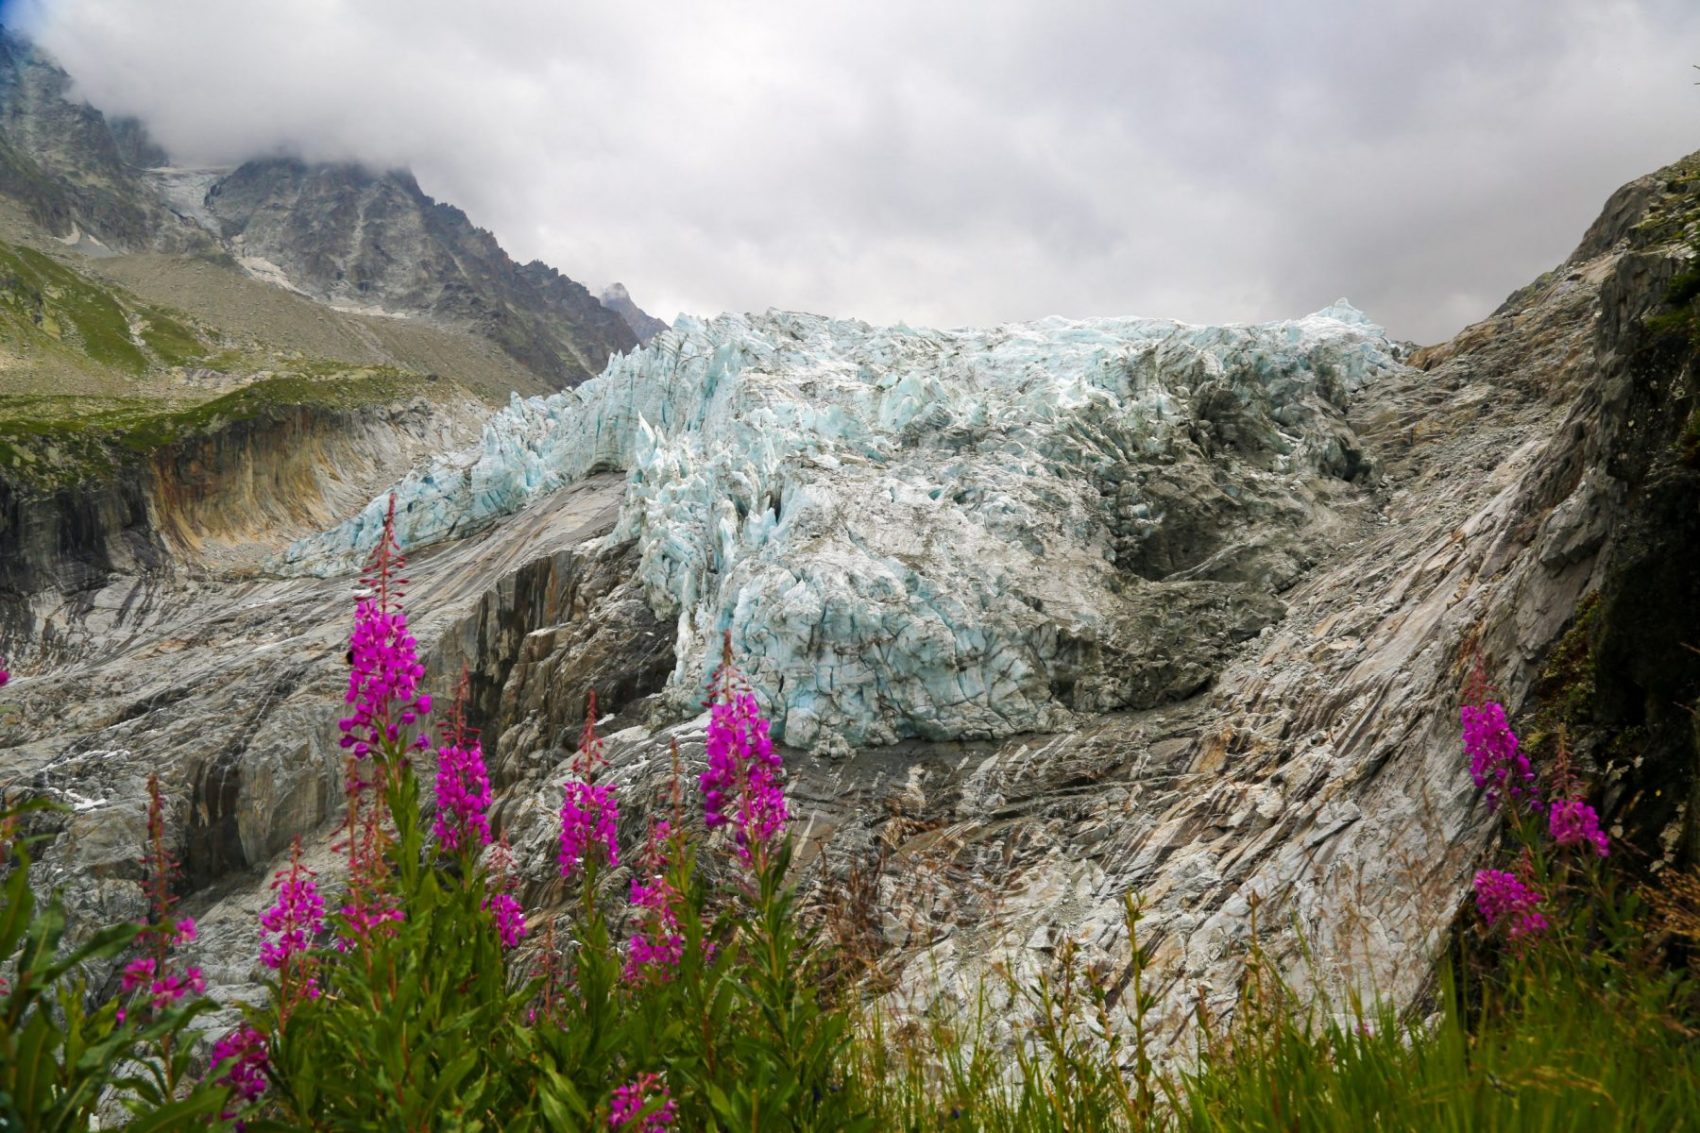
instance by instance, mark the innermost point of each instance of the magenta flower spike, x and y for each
(1496, 763)
(290, 928)
(384, 670)
(243, 1054)
(295, 919)
(1502, 896)
(383, 682)
(1572, 822)
(589, 815)
(626, 1112)
(509, 915)
(743, 775)
(463, 782)
(657, 947)
(463, 795)
(589, 821)
(163, 932)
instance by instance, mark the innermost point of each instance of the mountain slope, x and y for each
(645, 325)
(73, 170)
(368, 240)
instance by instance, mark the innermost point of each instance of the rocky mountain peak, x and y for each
(645, 325)
(71, 168)
(355, 237)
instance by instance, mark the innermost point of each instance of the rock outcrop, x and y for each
(1366, 535)
(90, 562)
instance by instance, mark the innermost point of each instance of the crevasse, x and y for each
(909, 532)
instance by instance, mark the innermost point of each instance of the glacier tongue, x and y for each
(939, 534)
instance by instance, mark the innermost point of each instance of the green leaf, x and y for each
(178, 1115)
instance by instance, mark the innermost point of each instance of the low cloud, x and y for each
(950, 163)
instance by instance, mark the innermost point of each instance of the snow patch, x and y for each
(265, 271)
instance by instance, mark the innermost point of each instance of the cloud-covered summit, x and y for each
(950, 163)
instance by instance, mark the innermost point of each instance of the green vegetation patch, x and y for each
(1675, 215)
(49, 441)
(45, 305)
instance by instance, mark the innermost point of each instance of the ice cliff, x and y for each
(939, 534)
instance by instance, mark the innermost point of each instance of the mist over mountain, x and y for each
(1208, 162)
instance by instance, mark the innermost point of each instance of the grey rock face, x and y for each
(370, 240)
(72, 168)
(89, 565)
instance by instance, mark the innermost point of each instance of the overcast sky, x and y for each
(954, 162)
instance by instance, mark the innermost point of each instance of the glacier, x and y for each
(958, 534)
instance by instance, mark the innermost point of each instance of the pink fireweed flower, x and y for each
(168, 989)
(136, 973)
(163, 991)
(1496, 764)
(383, 680)
(504, 908)
(657, 947)
(243, 1055)
(296, 917)
(1572, 822)
(361, 922)
(1502, 896)
(743, 772)
(509, 916)
(463, 782)
(463, 794)
(162, 932)
(626, 1112)
(384, 669)
(589, 818)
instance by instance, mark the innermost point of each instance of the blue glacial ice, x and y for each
(915, 532)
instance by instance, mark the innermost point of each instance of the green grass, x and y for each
(47, 306)
(1556, 1041)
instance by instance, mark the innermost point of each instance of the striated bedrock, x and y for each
(942, 534)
